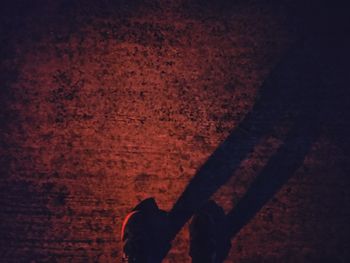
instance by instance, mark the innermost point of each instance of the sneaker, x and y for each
(208, 240)
(144, 233)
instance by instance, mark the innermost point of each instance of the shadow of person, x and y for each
(324, 108)
(280, 167)
(307, 87)
(289, 92)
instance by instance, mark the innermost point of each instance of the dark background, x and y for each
(105, 103)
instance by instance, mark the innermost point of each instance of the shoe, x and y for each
(144, 233)
(208, 240)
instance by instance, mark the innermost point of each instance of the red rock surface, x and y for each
(106, 103)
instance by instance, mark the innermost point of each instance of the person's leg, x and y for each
(144, 233)
(208, 240)
(145, 228)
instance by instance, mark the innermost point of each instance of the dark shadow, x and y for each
(288, 158)
(287, 93)
(308, 88)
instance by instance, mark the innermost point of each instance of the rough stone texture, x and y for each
(105, 103)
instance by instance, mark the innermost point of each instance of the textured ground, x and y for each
(106, 103)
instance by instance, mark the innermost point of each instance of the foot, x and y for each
(144, 233)
(208, 240)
